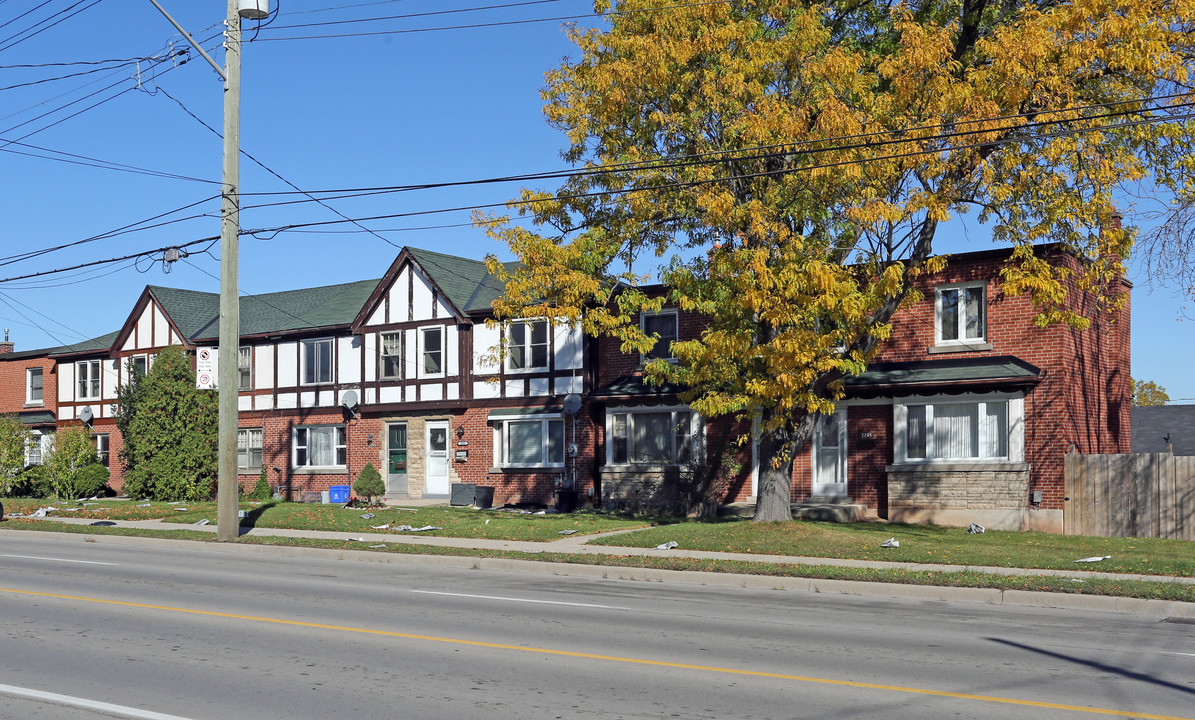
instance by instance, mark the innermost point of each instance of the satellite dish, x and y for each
(572, 403)
(349, 400)
(86, 415)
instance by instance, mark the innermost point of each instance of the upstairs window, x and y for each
(87, 376)
(651, 436)
(432, 351)
(244, 368)
(34, 377)
(960, 314)
(527, 345)
(392, 356)
(317, 361)
(140, 365)
(664, 326)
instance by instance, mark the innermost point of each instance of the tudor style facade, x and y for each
(963, 417)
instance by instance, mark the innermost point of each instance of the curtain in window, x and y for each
(391, 355)
(956, 428)
(994, 429)
(915, 432)
(525, 441)
(974, 313)
(652, 438)
(321, 448)
(949, 299)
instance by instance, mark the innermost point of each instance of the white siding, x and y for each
(327, 398)
(454, 391)
(421, 300)
(244, 402)
(452, 351)
(348, 362)
(373, 349)
(431, 392)
(109, 378)
(515, 388)
(539, 386)
(66, 382)
(288, 364)
(569, 348)
(379, 315)
(263, 402)
(411, 359)
(288, 401)
(566, 385)
(161, 329)
(66, 413)
(442, 309)
(486, 343)
(485, 390)
(145, 325)
(370, 396)
(175, 339)
(390, 394)
(307, 399)
(263, 367)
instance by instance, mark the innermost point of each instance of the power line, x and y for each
(86, 161)
(408, 16)
(62, 19)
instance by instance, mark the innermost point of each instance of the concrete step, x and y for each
(821, 509)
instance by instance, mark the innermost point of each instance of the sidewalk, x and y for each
(578, 545)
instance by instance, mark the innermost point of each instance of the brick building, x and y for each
(964, 417)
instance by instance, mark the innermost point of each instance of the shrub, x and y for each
(262, 490)
(369, 484)
(32, 482)
(88, 481)
(70, 464)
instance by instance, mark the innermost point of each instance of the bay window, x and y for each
(959, 429)
(652, 436)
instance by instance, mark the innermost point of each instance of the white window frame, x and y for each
(38, 447)
(960, 329)
(300, 442)
(696, 435)
(396, 339)
(245, 369)
(1014, 420)
(246, 448)
(141, 361)
(87, 377)
(664, 342)
(316, 376)
(528, 346)
(423, 351)
(102, 441)
(547, 422)
(30, 373)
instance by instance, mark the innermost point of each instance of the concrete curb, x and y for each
(987, 596)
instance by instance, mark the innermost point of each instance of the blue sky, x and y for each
(404, 107)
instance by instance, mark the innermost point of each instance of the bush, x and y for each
(88, 481)
(369, 485)
(32, 482)
(262, 490)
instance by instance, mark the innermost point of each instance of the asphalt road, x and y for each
(120, 627)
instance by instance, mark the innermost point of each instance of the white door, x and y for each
(437, 458)
(829, 456)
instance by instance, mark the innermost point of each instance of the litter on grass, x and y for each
(1096, 558)
(667, 546)
(408, 528)
(566, 532)
(178, 509)
(975, 529)
(379, 527)
(890, 543)
(379, 545)
(366, 516)
(143, 505)
(202, 522)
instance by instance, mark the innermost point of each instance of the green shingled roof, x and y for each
(317, 307)
(467, 284)
(191, 310)
(1001, 369)
(97, 344)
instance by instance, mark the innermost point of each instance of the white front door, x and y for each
(829, 456)
(437, 458)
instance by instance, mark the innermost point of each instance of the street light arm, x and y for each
(219, 70)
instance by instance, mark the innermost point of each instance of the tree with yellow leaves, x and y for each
(786, 166)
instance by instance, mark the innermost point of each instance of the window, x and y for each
(249, 449)
(87, 374)
(960, 314)
(34, 378)
(432, 353)
(139, 365)
(652, 437)
(960, 430)
(38, 447)
(530, 441)
(317, 361)
(664, 326)
(527, 345)
(392, 355)
(244, 368)
(101, 447)
(319, 446)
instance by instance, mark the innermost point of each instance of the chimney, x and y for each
(6, 346)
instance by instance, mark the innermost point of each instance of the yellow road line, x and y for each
(613, 658)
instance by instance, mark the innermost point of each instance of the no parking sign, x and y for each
(206, 365)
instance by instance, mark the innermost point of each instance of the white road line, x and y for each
(34, 557)
(1180, 654)
(525, 600)
(86, 704)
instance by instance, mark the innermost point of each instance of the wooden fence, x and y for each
(1138, 495)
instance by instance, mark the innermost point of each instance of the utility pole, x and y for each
(228, 520)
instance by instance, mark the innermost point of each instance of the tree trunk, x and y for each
(777, 449)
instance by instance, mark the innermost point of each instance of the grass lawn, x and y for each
(455, 522)
(922, 544)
